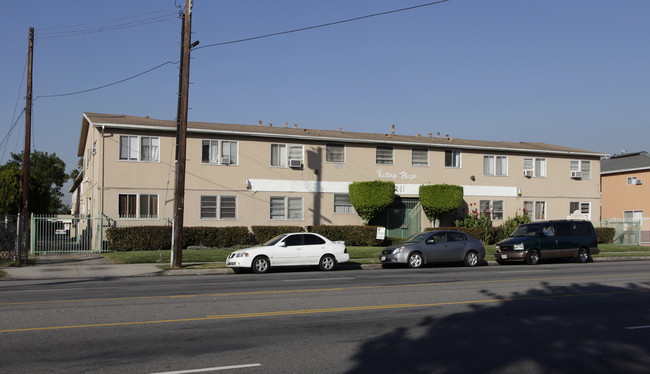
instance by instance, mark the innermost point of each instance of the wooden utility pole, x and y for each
(179, 193)
(24, 213)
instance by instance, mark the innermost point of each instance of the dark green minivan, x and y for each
(534, 241)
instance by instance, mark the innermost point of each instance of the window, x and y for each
(631, 180)
(128, 147)
(210, 152)
(334, 152)
(584, 167)
(149, 148)
(384, 155)
(225, 206)
(633, 216)
(342, 204)
(229, 153)
(537, 167)
(286, 208)
(278, 155)
(452, 159)
(495, 165)
(228, 207)
(582, 207)
(208, 207)
(148, 206)
(535, 209)
(420, 157)
(127, 205)
(492, 207)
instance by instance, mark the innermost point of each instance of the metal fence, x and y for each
(627, 232)
(77, 234)
(9, 238)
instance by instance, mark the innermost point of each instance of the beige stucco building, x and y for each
(625, 183)
(248, 175)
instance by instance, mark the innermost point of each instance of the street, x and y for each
(559, 317)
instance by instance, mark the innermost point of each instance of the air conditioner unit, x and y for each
(576, 174)
(225, 160)
(295, 163)
(528, 173)
(639, 181)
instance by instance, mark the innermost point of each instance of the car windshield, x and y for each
(526, 230)
(275, 240)
(417, 238)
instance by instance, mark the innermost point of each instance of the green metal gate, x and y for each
(402, 219)
(65, 234)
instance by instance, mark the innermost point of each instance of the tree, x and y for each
(47, 176)
(439, 199)
(369, 198)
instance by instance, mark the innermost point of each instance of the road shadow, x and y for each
(555, 329)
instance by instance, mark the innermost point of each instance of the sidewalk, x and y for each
(84, 265)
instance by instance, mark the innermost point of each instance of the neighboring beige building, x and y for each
(625, 183)
(247, 175)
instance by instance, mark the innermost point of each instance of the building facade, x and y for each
(625, 183)
(247, 175)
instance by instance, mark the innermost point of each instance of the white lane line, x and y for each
(316, 279)
(210, 369)
(637, 327)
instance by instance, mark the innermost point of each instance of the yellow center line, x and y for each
(322, 310)
(337, 289)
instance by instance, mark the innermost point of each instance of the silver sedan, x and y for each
(435, 246)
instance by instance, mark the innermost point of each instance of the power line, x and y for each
(64, 34)
(323, 25)
(5, 141)
(107, 21)
(109, 84)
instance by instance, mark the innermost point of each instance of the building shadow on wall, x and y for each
(315, 165)
(572, 329)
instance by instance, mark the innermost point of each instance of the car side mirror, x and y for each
(282, 244)
(430, 241)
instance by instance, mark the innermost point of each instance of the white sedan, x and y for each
(294, 249)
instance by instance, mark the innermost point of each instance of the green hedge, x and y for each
(216, 237)
(605, 234)
(473, 231)
(263, 234)
(351, 235)
(140, 238)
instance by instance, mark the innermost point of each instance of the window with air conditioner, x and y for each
(229, 154)
(535, 167)
(580, 169)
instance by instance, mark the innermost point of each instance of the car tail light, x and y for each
(345, 249)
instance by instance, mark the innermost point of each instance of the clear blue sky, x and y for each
(566, 72)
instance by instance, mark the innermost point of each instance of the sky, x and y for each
(566, 72)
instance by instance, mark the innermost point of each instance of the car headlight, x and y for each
(242, 254)
(398, 250)
(518, 247)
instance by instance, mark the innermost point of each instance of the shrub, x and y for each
(262, 234)
(605, 234)
(370, 198)
(216, 237)
(351, 235)
(140, 238)
(509, 226)
(439, 199)
(481, 221)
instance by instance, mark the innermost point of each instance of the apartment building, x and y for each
(625, 183)
(246, 175)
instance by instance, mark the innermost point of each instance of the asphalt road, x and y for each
(549, 318)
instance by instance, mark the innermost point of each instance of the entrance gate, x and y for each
(65, 234)
(402, 218)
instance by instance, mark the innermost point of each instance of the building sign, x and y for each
(402, 175)
(381, 233)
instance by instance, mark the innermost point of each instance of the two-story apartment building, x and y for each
(248, 175)
(625, 183)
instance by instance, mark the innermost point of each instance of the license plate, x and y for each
(383, 258)
(504, 257)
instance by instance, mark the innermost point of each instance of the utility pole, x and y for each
(179, 193)
(24, 213)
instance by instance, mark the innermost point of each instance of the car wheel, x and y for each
(261, 265)
(533, 257)
(415, 260)
(471, 258)
(326, 263)
(583, 255)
